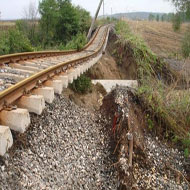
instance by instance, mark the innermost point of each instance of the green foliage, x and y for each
(60, 21)
(14, 41)
(68, 21)
(84, 19)
(186, 45)
(77, 43)
(186, 153)
(82, 85)
(151, 17)
(186, 143)
(157, 18)
(181, 5)
(167, 17)
(48, 10)
(149, 122)
(176, 22)
(30, 29)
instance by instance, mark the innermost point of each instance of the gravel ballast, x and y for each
(64, 148)
(156, 165)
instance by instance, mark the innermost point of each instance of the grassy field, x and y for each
(164, 42)
(5, 25)
(159, 36)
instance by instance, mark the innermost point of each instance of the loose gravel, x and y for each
(156, 166)
(65, 148)
(161, 168)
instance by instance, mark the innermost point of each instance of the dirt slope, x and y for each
(116, 63)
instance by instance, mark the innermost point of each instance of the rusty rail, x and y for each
(8, 96)
(12, 58)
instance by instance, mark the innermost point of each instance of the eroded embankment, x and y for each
(116, 63)
(155, 165)
(77, 147)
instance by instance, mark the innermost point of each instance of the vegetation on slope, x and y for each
(81, 85)
(167, 107)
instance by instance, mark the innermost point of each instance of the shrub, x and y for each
(186, 45)
(82, 85)
(78, 42)
(176, 22)
(14, 42)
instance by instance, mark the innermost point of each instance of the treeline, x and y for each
(182, 16)
(61, 26)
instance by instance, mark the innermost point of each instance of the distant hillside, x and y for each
(135, 15)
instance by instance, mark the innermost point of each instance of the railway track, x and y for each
(28, 80)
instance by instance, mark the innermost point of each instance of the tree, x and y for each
(164, 17)
(181, 5)
(28, 25)
(157, 18)
(151, 17)
(84, 19)
(176, 22)
(48, 10)
(14, 41)
(68, 21)
(60, 21)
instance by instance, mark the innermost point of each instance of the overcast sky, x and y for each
(13, 9)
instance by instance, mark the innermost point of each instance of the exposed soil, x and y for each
(116, 63)
(110, 66)
(155, 165)
(91, 100)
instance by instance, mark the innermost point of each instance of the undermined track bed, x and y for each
(35, 81)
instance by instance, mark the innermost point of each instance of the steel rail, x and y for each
(12, 58)
(8, 96)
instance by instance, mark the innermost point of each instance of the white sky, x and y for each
(13, 9)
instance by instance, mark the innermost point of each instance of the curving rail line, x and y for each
(38, 70)
(8, 96)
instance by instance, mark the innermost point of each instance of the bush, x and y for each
(176, 22)
(186, 45)
(82, 85)
(78, 42)
(14, 42)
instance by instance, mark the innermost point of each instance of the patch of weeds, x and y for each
(81, 85)
(78, 42)
(150, 122)
(14, 41)
(186, 153)
(186, 45)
